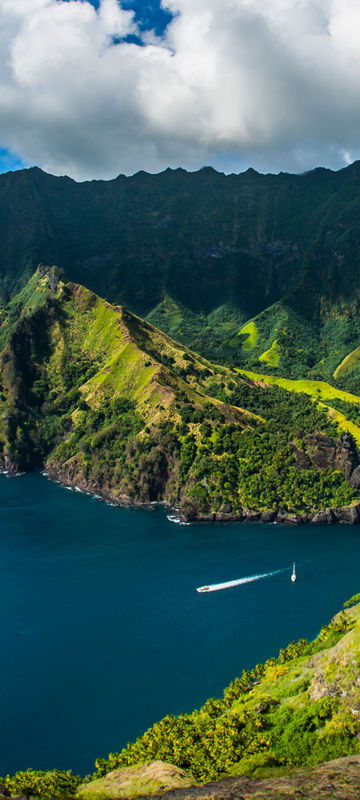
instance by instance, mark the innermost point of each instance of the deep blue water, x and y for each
(102, 631)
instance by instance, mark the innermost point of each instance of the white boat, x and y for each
(216, 587)
(293, 576)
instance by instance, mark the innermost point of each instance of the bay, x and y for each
(103, 632)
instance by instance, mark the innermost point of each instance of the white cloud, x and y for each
(272, 83)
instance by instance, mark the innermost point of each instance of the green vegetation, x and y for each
(318, 390)
(201, 254)
(271, 356)
(344, 423)
(148, 778)
(347, 363)
(343, 407)
(294, 709)
(248, 336)
(352, 601)
(48, 785)
(208, 333)
(108, 402)
(260, 469)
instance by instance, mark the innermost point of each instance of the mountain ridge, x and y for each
(282, 250)
(103, 400)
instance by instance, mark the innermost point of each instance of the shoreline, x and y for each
(329, 516)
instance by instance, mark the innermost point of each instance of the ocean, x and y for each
(103, 632)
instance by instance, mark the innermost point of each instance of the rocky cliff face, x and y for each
(321, 452)
(247, 240)
(105, 401)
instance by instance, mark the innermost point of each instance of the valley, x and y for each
(105, 401)
(191, 341)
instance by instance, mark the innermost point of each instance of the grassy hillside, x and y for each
(319, 390)
(326, 396)
(347, 364)
(141, 780)
(106, 401)
(297, 710)
(301, 708)
(204, 254)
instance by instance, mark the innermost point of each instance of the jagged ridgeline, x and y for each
(108, 402)
(297, 710)
(259, 271)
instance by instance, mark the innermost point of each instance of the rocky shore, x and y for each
(328, 516)
(346, 514)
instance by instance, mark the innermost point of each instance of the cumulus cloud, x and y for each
(271, 83)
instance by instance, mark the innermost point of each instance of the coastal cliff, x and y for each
(104, 401)
(288, 727)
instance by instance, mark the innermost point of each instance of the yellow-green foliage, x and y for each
(296, 709)
(344, 423)
(172, 308)
(271, 356)
(31, 297)
(319, 390)
(33, 293)
(301, 708)
(347, 363)
(154, 777)
(102, 337)
(105, 389)
(44, 785)
(250, 331)
(123, 373)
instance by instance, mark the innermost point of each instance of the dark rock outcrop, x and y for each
(221, 516)
(226, 508)
(324, 517)
(251, 516)
(349, 514)
(302, 460)
(268, 516)
(346, 457)
(354, 479)
(289, 519)
(320, 451)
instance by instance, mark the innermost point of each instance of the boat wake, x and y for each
(216, 587)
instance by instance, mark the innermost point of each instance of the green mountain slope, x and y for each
(106, 401)
(276, 722)
(298, 709)
(203, 254)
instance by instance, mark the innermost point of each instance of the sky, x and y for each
(94, 89)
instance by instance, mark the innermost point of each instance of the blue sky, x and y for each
(148, 14)
(9, 161)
